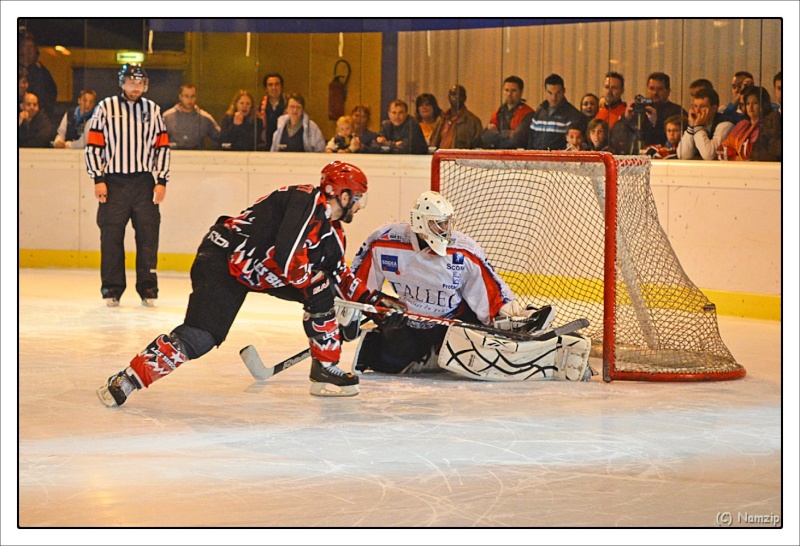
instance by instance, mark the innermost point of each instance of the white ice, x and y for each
(208, 446)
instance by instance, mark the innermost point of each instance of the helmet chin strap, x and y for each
(345, 210)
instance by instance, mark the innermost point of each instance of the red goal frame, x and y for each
(610, 164)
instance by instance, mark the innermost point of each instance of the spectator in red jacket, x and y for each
(499, 132)
(614, 107)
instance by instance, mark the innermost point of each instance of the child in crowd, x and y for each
(574, 139)
(597, 136)
(669, 150)
(343, 141)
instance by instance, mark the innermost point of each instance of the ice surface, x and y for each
(209, 447)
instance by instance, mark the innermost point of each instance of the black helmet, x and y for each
(135, 71)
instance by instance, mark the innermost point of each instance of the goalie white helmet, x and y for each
(432, 218)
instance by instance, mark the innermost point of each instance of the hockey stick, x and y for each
(517, 336)
(257, 368)
(260, 372)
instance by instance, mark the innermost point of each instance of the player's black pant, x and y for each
(217, 296)
(130, 197)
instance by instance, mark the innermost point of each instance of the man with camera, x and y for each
(643, 123)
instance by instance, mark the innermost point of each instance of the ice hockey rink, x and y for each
(208, 446)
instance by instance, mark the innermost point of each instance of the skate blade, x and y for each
(105, 396)
(326, 389)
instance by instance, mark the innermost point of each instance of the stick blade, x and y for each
(254, 363)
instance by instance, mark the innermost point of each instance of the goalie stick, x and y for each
(516, 336)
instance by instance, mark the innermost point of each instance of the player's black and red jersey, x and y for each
(285, 238)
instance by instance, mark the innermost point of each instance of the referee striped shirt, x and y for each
(127, 138)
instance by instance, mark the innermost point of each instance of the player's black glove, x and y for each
(318, 296)
(388, 320)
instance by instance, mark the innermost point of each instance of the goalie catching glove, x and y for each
(396, 319)
(529, 320)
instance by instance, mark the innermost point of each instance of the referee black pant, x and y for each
(130, 197)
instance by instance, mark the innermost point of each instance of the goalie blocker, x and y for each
(477, 355)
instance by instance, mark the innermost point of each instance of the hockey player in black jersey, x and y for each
(289, 244)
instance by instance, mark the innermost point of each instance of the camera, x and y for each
(640, 103)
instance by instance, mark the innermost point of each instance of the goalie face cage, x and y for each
(580, 231)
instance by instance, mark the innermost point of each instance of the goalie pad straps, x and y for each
(322, 330)
(476, 355)
(158, 359)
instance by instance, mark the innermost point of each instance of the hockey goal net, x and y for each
(580, 231)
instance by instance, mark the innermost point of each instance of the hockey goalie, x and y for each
(437, 272)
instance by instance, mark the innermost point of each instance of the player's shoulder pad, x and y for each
(460, 241)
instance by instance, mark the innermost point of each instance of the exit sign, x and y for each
(130, 57)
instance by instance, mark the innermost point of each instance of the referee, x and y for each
(127, 155)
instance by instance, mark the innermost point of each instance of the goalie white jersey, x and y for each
(427, 283)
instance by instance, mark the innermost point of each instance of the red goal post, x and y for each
(580, 231)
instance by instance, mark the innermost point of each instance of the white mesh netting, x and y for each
(542, 224)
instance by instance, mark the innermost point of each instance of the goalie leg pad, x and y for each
(349, 323)
(476, 355)
(572, 358)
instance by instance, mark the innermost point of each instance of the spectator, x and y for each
(499, 133)
(697, 84)
(128, 157)
(296, 132)
(429, 114)
(707, 128)
(241, 126)
(549, 124)
(590, 105)
(597, 136)
(669, 150)
(72, 131)
(614, 107)
(574, 139)
(22, 86)
(460, 128)
(769, 146)
(34, 129)
(273, 106)
(643, 123)
(733, 110)
(343, 141)
(739, 144)
(40, 81)
(400, 134)
(189, 125)
(362, 136)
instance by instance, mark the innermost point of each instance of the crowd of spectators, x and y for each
(748, 127)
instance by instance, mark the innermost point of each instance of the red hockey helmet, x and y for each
(338, 176)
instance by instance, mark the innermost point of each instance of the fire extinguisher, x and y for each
(337, 91)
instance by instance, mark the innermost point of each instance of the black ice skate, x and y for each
(330, 380)
(119, 387)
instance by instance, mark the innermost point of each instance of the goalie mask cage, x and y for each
(580, 231)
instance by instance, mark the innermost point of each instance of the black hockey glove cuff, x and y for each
(318, 296)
